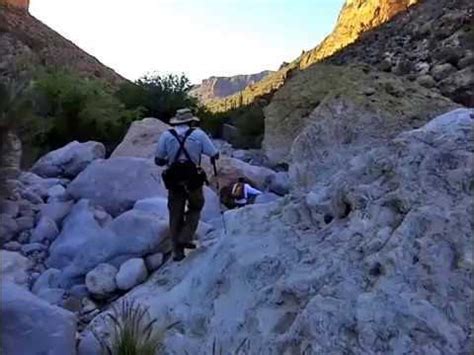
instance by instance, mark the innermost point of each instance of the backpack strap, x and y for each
(182, 148)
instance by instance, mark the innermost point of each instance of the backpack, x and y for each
(183, 173)
(238, 191)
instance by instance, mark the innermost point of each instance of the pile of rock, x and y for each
(79, 230)
(376, 260)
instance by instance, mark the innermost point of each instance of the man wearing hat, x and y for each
(180, 148)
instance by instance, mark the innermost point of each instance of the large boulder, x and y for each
(131, 273)
(346, 107)
(117, 183)
(69, 160)
(141, 139)
(14, 268)
(230, 169)
(159, 206)
(390, 273)
(84, 243)
(32, 326)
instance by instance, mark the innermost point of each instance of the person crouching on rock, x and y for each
(243, 193)
(180, 148)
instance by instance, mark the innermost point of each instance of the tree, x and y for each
(159, 96)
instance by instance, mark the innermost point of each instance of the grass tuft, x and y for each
(133, 331)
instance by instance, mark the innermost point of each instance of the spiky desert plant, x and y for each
(133, 331)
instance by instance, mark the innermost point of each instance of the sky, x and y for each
(200, 38)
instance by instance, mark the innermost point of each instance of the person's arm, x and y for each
(208, 148)
(249, 190)
(160, 154)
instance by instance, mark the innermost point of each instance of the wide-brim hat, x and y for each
(182, 116)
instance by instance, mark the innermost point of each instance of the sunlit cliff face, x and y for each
(356, 17)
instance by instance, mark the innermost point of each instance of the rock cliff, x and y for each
(23, 38)
(420, 35)
(220, 87)
(356, 18)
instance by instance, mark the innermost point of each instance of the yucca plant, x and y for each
(133, 331)
(15, 108)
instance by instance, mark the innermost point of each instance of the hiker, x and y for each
(180, 148)
(243, 193)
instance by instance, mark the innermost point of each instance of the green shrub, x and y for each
(77, 108)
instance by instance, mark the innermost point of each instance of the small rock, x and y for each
(26, 209)
(31, 196)
(386, 65)
(426, 81)
(101, 280)
(56, 210)
(422, 68)
(79, 291)
(48, 279)
(25, 223)
(442, 71)
(468, 60)
(30, 248)
(12, 246)
(53, 296)
(154, 261)
(9, 208)
(131, 273)
(88, 305)
(45, 230)
(8, 228)
(369, 91)
(24, 237)
(57, 192)
(72, 304)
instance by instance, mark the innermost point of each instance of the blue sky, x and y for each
(197, 37)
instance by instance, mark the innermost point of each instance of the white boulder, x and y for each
(14, 268)
(69, 160)
(84, 243)
(117, 183)
(100, 281)
(34, 326)
(141, 139)
(131, 273)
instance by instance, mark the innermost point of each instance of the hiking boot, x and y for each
(178, 254)
(188, 245)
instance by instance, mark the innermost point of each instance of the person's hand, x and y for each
(214, 158)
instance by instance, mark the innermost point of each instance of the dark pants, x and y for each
(183, 224)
